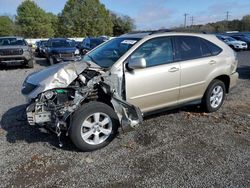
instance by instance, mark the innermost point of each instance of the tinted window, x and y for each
(204, 49)
(157, 51)
(187, 48)
(215, 50)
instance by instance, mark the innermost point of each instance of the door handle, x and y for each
(212, 62)
(173, 69)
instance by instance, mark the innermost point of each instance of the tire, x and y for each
(85, 130)
(30, 63)
(214, 96)
(51, 61)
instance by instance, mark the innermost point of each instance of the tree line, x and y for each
(79, 18)
(220, 26)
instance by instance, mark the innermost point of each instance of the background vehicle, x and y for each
(90, 43)
(233, 43)
(245, 38)
(40, 48)
(126, 78)
(61, 49)
(15, 51)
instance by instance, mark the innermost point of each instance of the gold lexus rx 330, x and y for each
(126, 78)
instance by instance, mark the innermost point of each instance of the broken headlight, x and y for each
(28, 88)
(77, 52)
(49, 95)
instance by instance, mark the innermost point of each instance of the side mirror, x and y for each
(137, 63)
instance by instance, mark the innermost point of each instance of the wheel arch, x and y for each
(226, 80)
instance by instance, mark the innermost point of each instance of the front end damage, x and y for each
(55, 99)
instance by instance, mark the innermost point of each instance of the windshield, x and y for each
(12, 42)
(230, 39)
(107, 54)
(43, 43)
(95, 42)
(61, 43)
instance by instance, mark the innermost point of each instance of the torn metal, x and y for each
(60, 90)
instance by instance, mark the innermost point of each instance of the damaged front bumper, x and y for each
(37, 115)
(55, 113)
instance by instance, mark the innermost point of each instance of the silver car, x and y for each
(127, 78)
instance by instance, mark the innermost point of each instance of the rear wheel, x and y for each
(214, 96)
(94, 126)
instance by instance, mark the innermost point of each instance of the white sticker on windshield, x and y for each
(129, 42)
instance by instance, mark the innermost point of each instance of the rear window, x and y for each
(215, 50)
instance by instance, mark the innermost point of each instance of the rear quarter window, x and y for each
(215, 50)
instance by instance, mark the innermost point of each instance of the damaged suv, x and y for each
(126, 78)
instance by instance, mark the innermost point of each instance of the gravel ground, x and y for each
(180, 148)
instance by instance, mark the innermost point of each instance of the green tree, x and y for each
(54, 22)
(122, 24)
(246, 23)
(33, 21)
(6, 26)
(81, 18)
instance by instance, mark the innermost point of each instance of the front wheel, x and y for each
(214, 96)
(51, 61)
(30, 63)
(94, 126)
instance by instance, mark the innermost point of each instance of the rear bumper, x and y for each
(233, 80)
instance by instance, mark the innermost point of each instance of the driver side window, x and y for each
(157, 51)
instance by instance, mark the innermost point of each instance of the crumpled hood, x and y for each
(57, 76)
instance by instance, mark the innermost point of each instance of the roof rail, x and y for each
(160, 31)
(136, 32)
(150, 32)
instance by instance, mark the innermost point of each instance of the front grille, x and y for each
(244, 44)
(7, 52)
(66, 55)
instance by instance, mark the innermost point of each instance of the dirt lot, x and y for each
(180, 148)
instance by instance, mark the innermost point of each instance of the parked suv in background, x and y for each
(245, 38)
(233, 43)
(40, 48)
(127, 78)
(90, 43)
(15, 51)
(61, 49)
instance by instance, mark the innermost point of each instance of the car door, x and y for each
(157, 85)
(196, 63)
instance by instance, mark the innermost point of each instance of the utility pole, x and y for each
(227, 15)
(192, 20)
(185, 20)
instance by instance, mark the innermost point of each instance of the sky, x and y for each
(154, 14)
